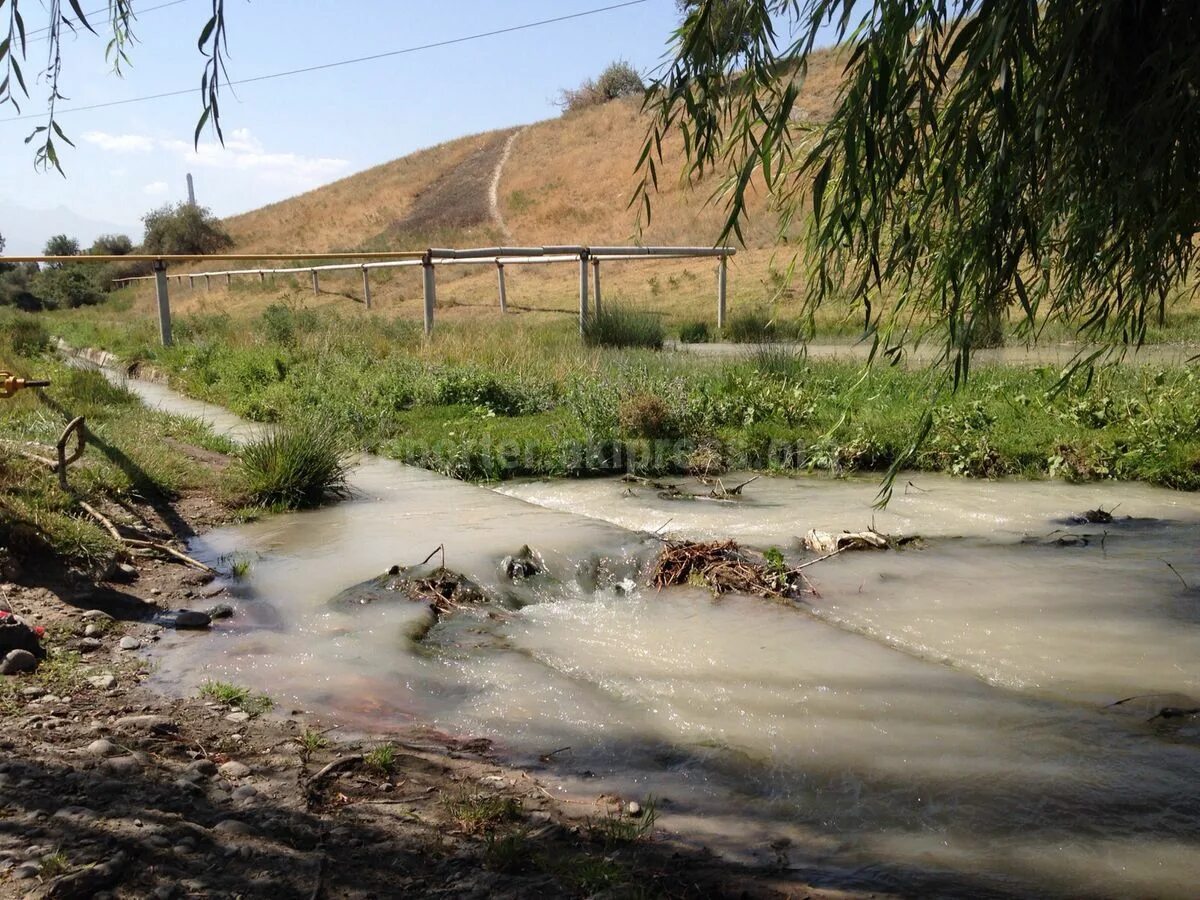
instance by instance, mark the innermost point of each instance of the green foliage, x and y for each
(381, 759)
(617, 829)
(619, 79)
(694, 332)
(476, 813)
(111, 245)
(67, 286)
(236, 696)
(185, 229)
(647, 416)
(294, 466)
(983, 158)
(23, 334)
(753, 326)
(620, 326)
(61, 245)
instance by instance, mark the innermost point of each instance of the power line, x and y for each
(30, 35)
(339, 63)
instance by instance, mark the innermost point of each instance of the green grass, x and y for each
(132, 454)
(616, 829)
(506, 398)
(311, 741)
(694, 332)
(622, 326)
(477, 813)
(381, 759)
(295, 465)
(236, 696)
(755, 326)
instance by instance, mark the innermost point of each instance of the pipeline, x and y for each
(10, 384)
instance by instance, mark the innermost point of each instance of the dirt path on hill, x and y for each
(494, 189)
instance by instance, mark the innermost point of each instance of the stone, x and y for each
(102, 748)
(25, 871)
(33, 692)
(212, 590)
(525, 563)
(120, 573)
(633, 808)
(245, 792)
(203, 767)
(89, 644)
(18, 661)
(183, 618)
(146, 723)
(92, 630)
(238, 717)
(130, 643)
(104, 682)
(16, 634)
(123, 765)
(234, 769)
(233, 827)
(221, 611)
(93, 614)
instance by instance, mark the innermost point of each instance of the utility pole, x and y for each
(191, 190)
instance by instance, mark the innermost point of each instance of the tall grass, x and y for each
(758, 325)
(294, 466)
(619, 326)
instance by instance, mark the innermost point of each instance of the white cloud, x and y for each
(155, 188)
(120, 143)
(242, 152)
(246, 153)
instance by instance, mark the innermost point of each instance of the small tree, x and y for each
(619, 79)
(111, 245)
(61, 245)
(184, 228)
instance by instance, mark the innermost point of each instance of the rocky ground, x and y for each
(110, 789)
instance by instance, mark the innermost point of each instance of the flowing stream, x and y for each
(935, 721)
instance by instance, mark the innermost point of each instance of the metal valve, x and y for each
(10, 384)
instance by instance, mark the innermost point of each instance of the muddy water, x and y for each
(933, 723)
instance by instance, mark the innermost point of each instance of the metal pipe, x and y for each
(366, 288)
(503, 292)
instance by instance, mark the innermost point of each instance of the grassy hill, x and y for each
(566, 180)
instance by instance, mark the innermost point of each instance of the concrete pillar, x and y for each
(596, 285)
(366, 287)
(316, 282)
(721, 284)
(164, 302)
(430, 286)
(228, 280)
(503, 292)
(583, 290)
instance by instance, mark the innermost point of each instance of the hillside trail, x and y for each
(494, 188)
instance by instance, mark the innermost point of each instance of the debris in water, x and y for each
(1097, 516)
(525, 563)
(724, 567)
(826, 542)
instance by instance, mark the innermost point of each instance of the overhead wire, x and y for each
(339, 63)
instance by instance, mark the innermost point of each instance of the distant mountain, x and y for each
(26, 230)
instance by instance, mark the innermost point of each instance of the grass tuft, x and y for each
(694, 332)
(476, 813)
(381, 759)
(236, 696)
(619, 326)
(295, 466)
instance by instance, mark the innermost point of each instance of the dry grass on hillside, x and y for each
(567, 180)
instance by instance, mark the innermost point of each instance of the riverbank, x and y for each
(489, 400)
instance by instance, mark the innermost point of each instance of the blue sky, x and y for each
(289, 135)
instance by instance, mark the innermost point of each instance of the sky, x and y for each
(289, 135)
